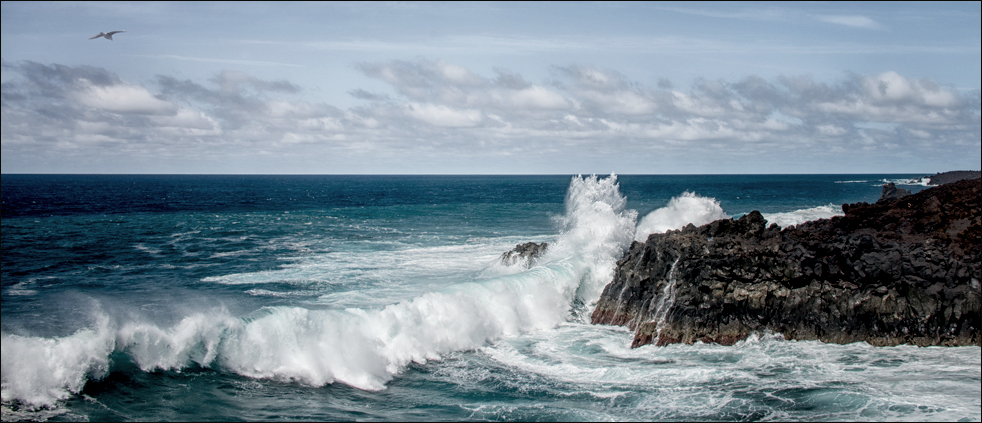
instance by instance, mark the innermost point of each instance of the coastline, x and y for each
(900, 271)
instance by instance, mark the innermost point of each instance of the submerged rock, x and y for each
(901, 271)
(526, 254)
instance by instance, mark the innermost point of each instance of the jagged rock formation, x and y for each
(891, 192)
(526, 254)
(901, 271)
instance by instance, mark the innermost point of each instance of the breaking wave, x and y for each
(361, 347)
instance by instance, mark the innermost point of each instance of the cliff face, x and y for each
(900, 271)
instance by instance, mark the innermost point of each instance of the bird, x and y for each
(106, 35)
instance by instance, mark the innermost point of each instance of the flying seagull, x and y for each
(106, 35)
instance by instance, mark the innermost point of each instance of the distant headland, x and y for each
(953, 176)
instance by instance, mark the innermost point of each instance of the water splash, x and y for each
(798, 217)
(681, 210)
(665, 301)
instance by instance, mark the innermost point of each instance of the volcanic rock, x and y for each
(953, 176)
(891, 192)
(526, 254)
(900, 271)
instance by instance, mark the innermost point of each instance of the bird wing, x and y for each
(114, 32)
(97, 35)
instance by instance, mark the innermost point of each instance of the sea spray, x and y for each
(681, 210)
(698, 210)
(193, 340)
(39, 371)
(597, 229)
(798, 217)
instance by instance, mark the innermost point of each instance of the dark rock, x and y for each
(526, 254)
(953, 176)
(891, 192)
(900, 271)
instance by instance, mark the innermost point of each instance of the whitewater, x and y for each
(405, 311)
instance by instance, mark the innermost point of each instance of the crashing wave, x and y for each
(364, 348)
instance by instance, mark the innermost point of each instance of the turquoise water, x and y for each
(382, 298)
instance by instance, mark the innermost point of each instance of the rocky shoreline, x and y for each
(953, 176)
(905, 270)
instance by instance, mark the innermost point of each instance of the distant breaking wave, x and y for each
(907, 181)
(902, 181)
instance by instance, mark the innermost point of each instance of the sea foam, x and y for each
(798, 217)
(39, 371)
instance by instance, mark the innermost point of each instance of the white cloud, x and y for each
(445, 116)
(534, 97)
(458, 74)
(855, 21)
(123, 98)
(890, 87)
(188, 119)
(695, 105)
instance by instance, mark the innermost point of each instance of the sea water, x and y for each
(132, 297)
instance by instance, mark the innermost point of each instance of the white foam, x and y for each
(40, 371)
(798, 217)
(392, 261)
(923, 181)
(847, 382)
(258, 292)
(597, 229)
(680, 211)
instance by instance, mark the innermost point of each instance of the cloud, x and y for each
(439, 82)
(855, 21)
(445, 117)
(123, 98)
(224, 61)
(778, 15)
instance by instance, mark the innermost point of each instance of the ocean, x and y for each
(207, 297)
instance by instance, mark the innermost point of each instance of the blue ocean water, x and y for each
(130, 297)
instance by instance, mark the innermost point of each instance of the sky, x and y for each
(491, 88)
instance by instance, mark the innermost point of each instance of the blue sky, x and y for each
(501, 88)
